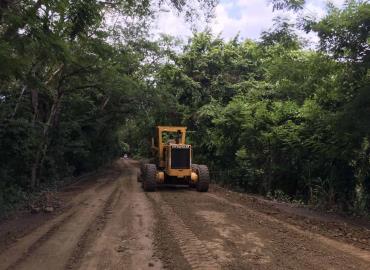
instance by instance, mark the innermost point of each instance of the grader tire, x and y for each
(203, 178)
(194, 167)
(149, 179)
(142, 172)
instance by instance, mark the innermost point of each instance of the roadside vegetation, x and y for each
(269, 116)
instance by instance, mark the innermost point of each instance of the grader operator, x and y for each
(173, 162)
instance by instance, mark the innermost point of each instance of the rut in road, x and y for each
(109, 225)
(53, 249)
(23, 254)
(238, 238)
(195, 252)
(113, 224)
(125, 241)
(356, 252)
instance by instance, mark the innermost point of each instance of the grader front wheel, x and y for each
(203, 178)
(149, 178)
(142, 172)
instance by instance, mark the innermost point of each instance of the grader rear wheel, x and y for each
(149, 178)
(203, 178)
(142, 172)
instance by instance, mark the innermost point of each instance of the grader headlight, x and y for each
(194, 177)
(160, 177)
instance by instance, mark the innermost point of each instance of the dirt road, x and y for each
(108, 222)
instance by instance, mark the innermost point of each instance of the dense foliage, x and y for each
(268, 116)
(273, 117)
(70, 78)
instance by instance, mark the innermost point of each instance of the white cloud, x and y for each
(172, 24)
(312, 9)
(338, 3)
(246, 17)
(246, 23)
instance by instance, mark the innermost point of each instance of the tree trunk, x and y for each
(44, 144)
(43, 147)
(34, 169)
(35, 104)
(19, 101)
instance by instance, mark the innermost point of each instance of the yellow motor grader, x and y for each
(173, 162)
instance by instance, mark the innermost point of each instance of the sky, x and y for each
(248, 18)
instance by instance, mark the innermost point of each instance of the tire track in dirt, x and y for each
(108, 224)
(352, 250)
(113, 224)
(93, 231)
(13, 263)
(239, 239)
(29, 237)
(193, 249)
(24, 247)
(126, 241)
(55, 246)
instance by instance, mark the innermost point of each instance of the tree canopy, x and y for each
(269, 116)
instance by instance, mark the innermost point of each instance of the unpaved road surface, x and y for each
(108, 222)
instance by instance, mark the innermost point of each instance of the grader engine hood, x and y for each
(173, 162)
(180, 156)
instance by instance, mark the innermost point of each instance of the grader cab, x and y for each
(173, 162)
